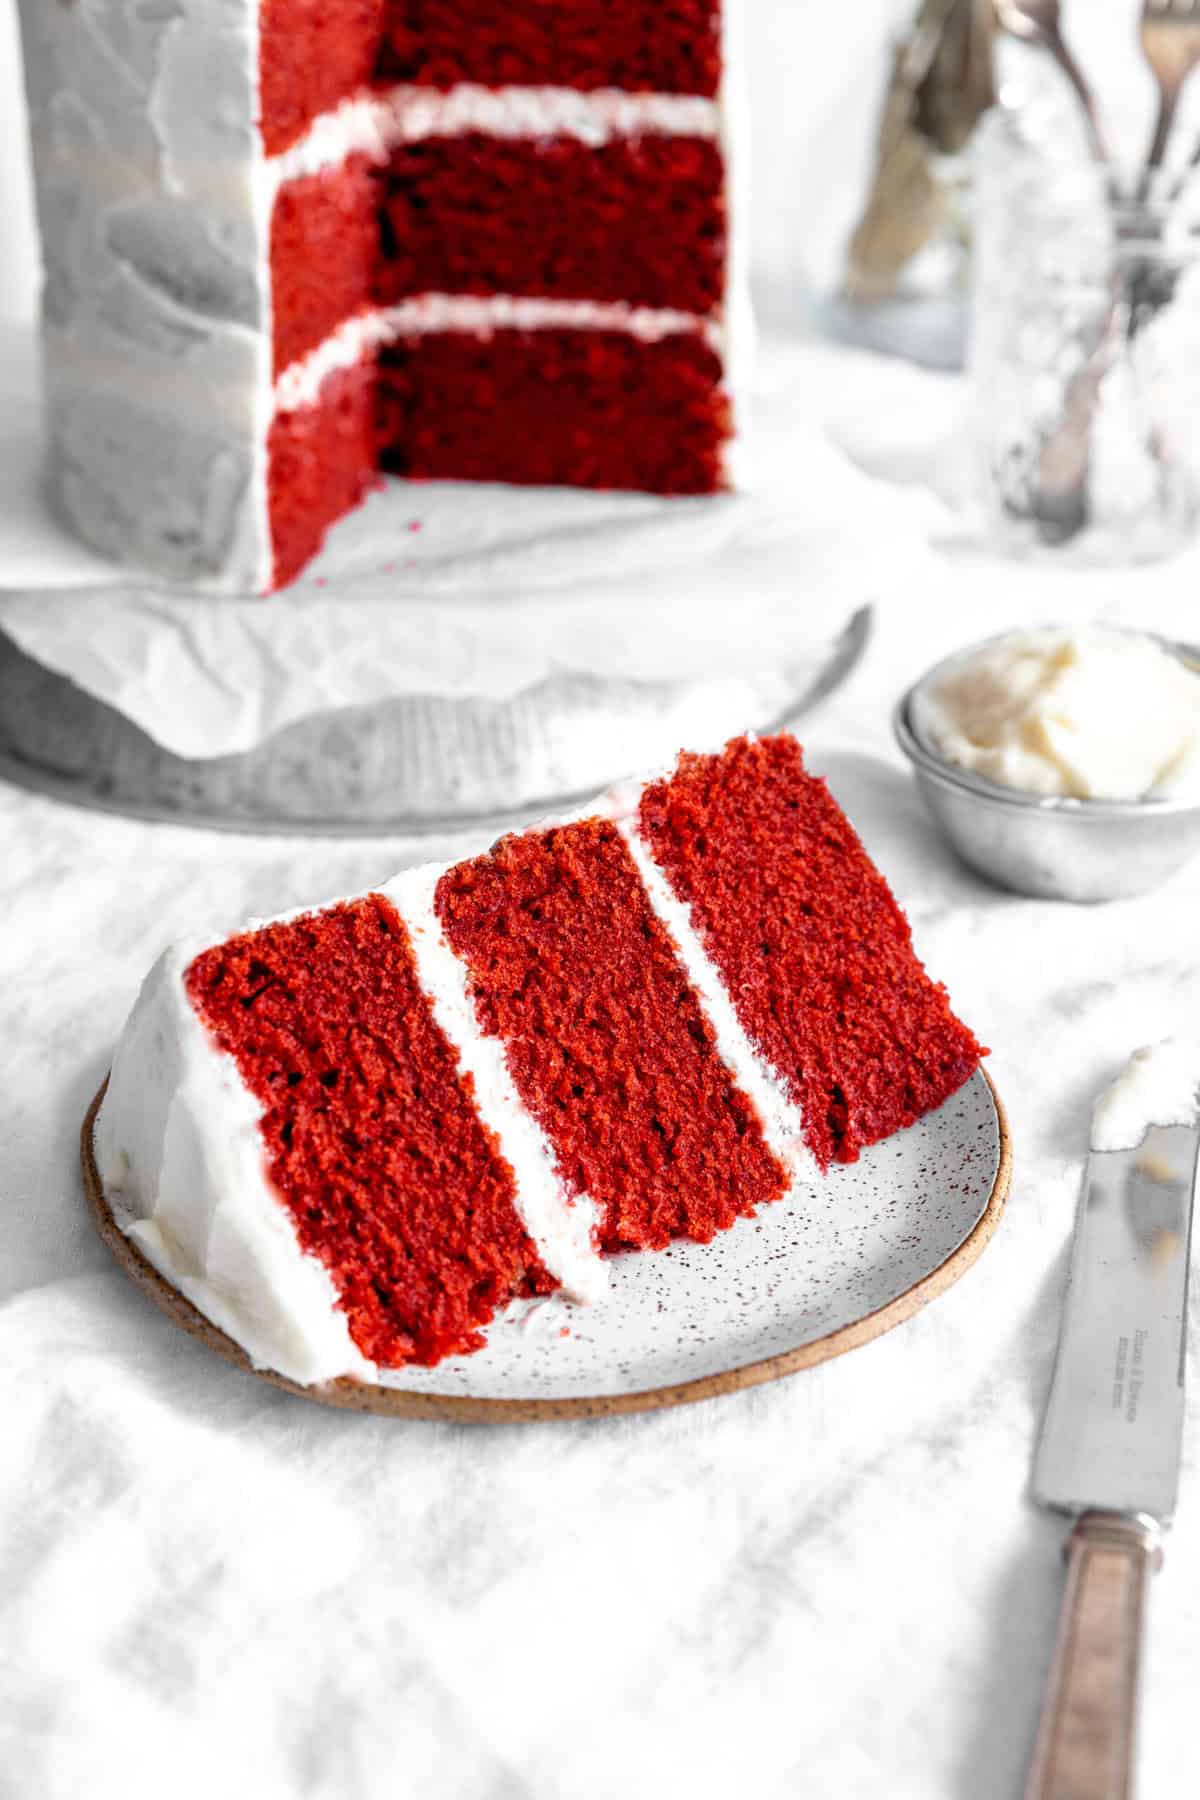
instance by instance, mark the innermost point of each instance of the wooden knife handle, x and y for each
(1085, 1743)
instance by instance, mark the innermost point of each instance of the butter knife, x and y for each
(1110, 1446)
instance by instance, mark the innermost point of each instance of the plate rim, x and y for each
(355, 1396)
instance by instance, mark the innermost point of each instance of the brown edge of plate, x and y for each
(356, 1396)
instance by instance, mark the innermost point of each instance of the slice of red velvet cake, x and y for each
(464, 240)
(352, 1135)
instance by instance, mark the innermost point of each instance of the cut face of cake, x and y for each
(351, 1136)
(290, 243)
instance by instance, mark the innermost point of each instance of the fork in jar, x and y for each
(1171, 46)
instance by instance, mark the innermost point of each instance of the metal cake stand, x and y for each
(410, 765)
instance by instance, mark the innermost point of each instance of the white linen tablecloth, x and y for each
(833, 1586)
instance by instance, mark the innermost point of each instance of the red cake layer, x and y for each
(671, 46)
(604, 1036)
(455, 406)
(321, 461)
(814, 951)
(594, 409)
(371, 1133)
(312, 54)
(640, 220)
(324, 256)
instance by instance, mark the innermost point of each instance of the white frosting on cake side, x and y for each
(375, 124)
(156, 340)
(562, 1230)
(181, 1156)
(263, 202)
(476, 314)
(737, 312)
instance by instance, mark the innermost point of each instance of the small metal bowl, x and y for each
(1053, 848)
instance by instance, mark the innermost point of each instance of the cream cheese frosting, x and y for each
(562, 1229)
(154, 307)
(781, 1121)
(300, 384)
(1091, 713)
(181, 1157)
(375, 124)
(1160, 1085)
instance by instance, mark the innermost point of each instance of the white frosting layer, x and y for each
(737, 313)
(180, 1153)
(1160, 1085)
(562, 1230)
(263, 193)
(374, 125)
(479, 314)
(782, 1122)
(156, 350)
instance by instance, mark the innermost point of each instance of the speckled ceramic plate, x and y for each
(809, 1277)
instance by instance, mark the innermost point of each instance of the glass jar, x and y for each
(1085, 354)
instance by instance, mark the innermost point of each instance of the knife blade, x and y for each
(1110, 1447)
(1112, 1435)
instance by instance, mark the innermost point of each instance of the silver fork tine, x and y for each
(1040, 22)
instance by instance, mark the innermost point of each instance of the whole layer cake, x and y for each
(290, 242)
(350, 1136)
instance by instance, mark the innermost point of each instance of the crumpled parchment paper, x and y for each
(459, 591)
